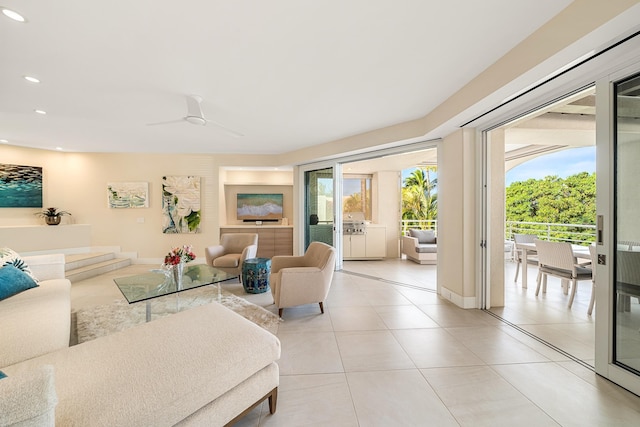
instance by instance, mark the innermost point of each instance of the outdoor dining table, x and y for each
(580, 252)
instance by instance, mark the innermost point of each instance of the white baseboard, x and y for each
(459, 300)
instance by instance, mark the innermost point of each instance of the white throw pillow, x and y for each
(9, 256)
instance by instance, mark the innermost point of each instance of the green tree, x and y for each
(571, 200)
(353, 203)
(419, 197)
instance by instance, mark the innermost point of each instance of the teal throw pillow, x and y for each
(13, 281)
(2, 375)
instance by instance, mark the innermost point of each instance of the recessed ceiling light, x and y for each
(31, 79)
(40, 111)
(4, 141)
(59, 148)
(13, 15)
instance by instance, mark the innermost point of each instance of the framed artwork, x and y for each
(133, 194)
(20, 186)
(180, 204)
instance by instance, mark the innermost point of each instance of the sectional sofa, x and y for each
(206, 366)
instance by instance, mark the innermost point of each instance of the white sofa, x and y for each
(204, 367)
(420, 246)
(37, 321)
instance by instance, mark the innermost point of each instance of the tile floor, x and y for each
(390, 352)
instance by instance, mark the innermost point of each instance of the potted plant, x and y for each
(52, 216)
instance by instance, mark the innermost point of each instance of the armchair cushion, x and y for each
(427, 248)
(227, 261)
(423, 236)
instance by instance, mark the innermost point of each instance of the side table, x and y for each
(255, 275)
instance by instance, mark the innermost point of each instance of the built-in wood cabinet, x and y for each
(376, 246)
(272, 240)
(371, 245)
(354, 246)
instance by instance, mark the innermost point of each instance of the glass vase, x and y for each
(178, 270)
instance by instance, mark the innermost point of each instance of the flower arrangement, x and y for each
(178, 255)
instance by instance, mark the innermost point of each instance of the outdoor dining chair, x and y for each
(627, 278)
(523, 238)
(557, 259)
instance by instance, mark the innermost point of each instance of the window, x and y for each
(356, 193)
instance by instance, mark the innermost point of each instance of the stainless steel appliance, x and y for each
(354, 226)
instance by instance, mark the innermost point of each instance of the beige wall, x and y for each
(387, 203)
(457, 240)
(76, 182)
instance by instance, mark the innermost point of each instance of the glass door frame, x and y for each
(300, 184)
(612, 66)
(336, 164)
(605, 201)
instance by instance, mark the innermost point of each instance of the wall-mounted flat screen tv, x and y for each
(259, 207)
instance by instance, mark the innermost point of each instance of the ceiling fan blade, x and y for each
(226, 129)
(166, 123)
(196, 117)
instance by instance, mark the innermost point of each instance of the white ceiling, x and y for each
(287, 74)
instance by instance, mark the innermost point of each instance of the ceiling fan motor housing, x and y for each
(195, 120)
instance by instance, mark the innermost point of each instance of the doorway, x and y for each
(554, 200)
(318, 206)
(378, 182)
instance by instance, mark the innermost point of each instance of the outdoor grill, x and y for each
(353, 226)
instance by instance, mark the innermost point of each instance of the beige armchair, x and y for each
(233, 249)
(306, 279)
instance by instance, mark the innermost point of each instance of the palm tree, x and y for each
(353, 203)
(419, 197)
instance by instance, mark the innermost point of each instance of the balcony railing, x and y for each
(420, 224)
(577, 234)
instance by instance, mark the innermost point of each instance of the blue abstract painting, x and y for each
(20, 186)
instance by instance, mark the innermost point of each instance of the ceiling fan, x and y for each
(196, 117)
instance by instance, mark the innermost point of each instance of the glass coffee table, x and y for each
(157, 283)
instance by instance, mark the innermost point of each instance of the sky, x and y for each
(562, 163)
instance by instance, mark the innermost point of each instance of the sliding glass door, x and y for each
(626, 284)
(318, 206)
